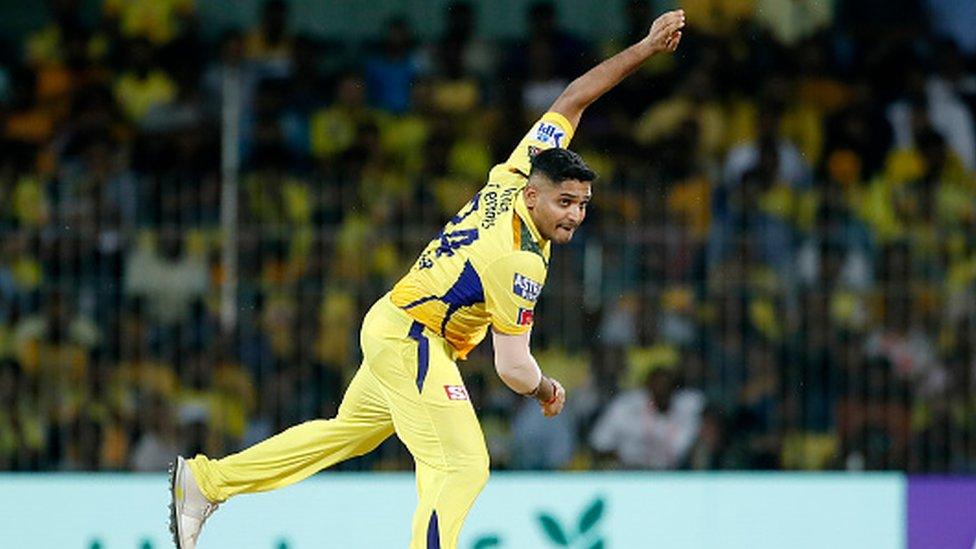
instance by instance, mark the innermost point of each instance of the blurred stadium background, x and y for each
(200, 199)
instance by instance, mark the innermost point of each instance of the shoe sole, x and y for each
(173, 528)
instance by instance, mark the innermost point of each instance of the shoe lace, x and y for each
(209, 510)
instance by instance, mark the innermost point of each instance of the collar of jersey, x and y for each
(523, 211)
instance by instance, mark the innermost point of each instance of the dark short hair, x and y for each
(561, 164)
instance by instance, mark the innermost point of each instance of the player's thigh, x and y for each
(383, 340)
(364, 400)
(431, 409)
(429, 405)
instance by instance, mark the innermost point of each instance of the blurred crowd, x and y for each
(778, 271)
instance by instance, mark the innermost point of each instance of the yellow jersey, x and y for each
(489, 263)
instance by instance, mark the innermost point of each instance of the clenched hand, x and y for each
(665, 33)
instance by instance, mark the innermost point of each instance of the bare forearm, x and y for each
(526, 378)
(602, 78)
(664, 35)
(518, 369)
(522, 376)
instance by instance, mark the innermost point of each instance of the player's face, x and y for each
(557, 209)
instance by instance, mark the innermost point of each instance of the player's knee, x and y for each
(476, 469)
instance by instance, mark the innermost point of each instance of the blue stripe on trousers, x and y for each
(423, 352)
(433, 533)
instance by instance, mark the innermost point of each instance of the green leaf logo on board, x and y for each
(486, 542)
(584, 536)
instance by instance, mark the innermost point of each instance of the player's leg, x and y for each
(446, 494)
(198, 485)
(363, 422)
(433, 416)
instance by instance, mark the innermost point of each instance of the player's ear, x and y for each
(531, 195)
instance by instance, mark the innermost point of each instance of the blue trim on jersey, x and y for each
(420, 301)
(472, 204)
(433, 532)
(423, 352)
(465, 292)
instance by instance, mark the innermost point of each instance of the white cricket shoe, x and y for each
(189, 508)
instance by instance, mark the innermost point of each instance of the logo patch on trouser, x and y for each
(456, 392)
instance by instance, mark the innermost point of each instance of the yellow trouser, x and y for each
(405, 384)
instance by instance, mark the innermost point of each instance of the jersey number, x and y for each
(452, 240)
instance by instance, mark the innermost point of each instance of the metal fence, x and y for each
(116, 356)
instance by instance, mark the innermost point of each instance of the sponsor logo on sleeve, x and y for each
(525, 317)
(526, 288)
(550, 134)
(456, 392)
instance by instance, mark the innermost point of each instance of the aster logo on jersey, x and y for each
(525, 317)
(525, 287)
(456, 392)
(550, 134)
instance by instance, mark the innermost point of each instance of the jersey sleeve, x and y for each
(553, 130)
(512, 286)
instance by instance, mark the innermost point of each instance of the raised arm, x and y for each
(664, 36)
